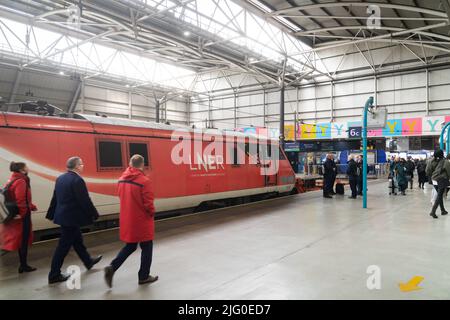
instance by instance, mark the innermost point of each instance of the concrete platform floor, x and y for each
(301, 247)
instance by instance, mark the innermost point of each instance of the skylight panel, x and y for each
(88, 57)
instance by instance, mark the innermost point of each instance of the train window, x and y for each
(235, 154)
(251, 148)
(138, 148)
(110, 154)
(266, 150)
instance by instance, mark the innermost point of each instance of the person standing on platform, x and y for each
(421, 167)
(392, 178)
(333, 180)
(17, 234)
(71, 208)
(329, 173)
(439, 171)
(137, 214)
(352, 172)
(410, 167)
(402, 180)
(359, 185)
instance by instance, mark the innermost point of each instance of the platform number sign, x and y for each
(354, 132)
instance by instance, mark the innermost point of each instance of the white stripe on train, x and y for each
(107, 204)
(37, 168)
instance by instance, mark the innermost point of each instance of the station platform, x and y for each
(297, 247)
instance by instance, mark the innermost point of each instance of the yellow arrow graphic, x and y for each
(412, 284)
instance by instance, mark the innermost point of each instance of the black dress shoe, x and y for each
(150, 279)
(328, 196)
(26, 269)
(433, 215)
(94, 262)
(109, 274)
(444, 213)
(352, 197)
(60, 278)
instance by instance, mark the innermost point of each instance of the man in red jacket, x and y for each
(136, 220)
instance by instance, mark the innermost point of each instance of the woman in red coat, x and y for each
(17, 234)
(136, 220)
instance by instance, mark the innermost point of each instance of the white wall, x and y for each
(403, 95)
(116, 103)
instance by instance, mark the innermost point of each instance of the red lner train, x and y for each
(106, 144)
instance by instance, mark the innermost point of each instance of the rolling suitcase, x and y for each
(340, 188)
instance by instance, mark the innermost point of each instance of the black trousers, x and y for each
(70, 237)
(422, 179)
(23, 250)
(411, 181)
(353, 186)
(403, 186)
(333, 180)
(327, 185)
(146, 257)
(441, 189)
(392, 186)
(359, 186)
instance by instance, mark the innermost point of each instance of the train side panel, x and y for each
(46, 144)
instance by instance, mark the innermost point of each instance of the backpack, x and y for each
(8, 208)
(439, 171)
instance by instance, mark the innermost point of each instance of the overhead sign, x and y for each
(309, 146)
(354, 132)
(377, 118)
(291, 146)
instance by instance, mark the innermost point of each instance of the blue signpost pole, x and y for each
(369, 103)
(441, 140)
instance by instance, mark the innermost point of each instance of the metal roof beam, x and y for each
(335, 20)
(359, 4)
(420, 13)
(398, 15)
(389, 35)
(446, 5)
(315, 31)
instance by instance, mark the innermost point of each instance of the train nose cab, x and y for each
(283, 173)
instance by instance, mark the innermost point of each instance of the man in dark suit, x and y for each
(333, 179)
(352, 172)
(71, 208)
(359, 184)
(329, 174)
